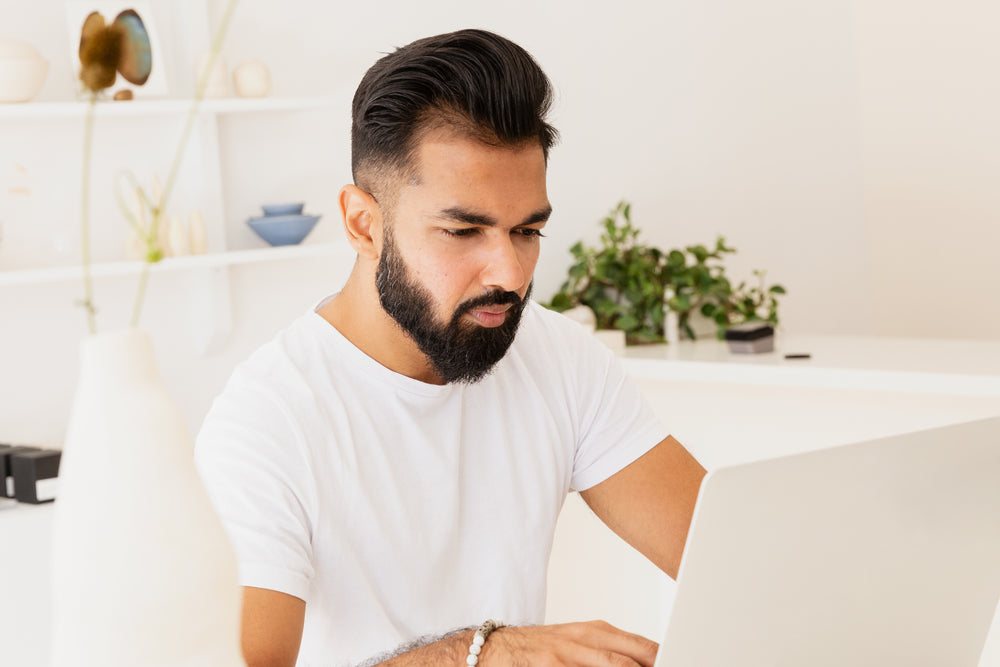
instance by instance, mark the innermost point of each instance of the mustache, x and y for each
(495, 297)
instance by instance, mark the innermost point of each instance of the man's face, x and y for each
(460, 248)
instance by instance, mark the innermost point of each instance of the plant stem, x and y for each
(137, 306)
(160, 208)
(88, 140)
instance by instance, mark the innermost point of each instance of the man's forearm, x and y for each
(449, 649)
(590, 644)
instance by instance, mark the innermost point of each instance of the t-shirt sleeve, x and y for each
(248, 453)
(617, 426)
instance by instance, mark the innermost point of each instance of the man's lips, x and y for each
(490, 316)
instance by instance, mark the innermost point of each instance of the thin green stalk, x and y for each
(220, 34)
(88, 140)
(137, 306)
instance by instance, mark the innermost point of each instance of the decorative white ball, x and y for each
(22, 70)
(252, 79)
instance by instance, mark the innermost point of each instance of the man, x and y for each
(391, 466)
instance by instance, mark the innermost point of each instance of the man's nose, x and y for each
(504, 268)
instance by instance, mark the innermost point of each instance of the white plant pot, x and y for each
(143, 573)
(613, 338)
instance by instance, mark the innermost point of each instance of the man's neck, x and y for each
(357, 314)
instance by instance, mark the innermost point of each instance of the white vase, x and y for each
(142, 571)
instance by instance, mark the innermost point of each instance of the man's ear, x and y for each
(362, 221)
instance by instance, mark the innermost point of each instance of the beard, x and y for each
(459, 351)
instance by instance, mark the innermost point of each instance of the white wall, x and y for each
(848, 148)
(930, 100)
(728, 119)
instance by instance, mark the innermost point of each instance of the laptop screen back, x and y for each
(878, 553)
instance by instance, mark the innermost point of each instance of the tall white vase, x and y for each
(143, 573)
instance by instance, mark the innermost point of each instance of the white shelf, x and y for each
(123, 268)
(230, 105)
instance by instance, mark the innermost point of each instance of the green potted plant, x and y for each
(633, 287)
(751, 303)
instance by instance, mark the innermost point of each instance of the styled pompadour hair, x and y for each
(475, 81)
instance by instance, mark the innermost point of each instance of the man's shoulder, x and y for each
(550, 340)
(291, 347)
(270, 394)
(285, 371)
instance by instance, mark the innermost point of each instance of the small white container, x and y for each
(252, 79)
(179, 243)
(198, 235)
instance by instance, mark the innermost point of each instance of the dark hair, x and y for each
(481, 83)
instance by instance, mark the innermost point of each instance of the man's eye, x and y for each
(530, 232)
(465, 231)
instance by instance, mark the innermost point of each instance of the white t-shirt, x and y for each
(398, 509)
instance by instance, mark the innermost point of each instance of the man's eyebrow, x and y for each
(459, 214)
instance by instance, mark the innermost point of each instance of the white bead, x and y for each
(472, 659)
(475, 649)
(478, 640)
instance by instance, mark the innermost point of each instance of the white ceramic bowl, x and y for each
(22, 71)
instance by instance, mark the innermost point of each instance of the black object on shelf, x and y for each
(750, 338)
(35, 475)
(7, 482)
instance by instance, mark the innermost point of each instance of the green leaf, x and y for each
(626, 323)
(609, 227)
(604, 308)
(657, 315)
(592, 294)
(633, 296)
(561, 302)
(675, 260)
(777, 289)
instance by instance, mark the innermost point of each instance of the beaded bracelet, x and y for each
(484, 631)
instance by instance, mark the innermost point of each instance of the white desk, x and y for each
(734, 408)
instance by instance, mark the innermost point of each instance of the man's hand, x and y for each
(592, 644)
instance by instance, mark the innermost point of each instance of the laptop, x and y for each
(881, 553)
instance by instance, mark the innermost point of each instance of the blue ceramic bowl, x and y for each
(283, 229)
(294, 208)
